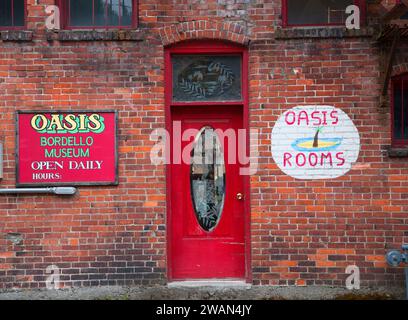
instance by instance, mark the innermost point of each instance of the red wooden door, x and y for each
(207, 226)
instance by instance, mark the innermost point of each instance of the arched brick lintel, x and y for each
(204, 29)
(399, 69)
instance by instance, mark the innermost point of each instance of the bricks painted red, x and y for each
(302, 232)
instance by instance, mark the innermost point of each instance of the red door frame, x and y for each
(207, 47)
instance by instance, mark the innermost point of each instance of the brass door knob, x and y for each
(240, 196)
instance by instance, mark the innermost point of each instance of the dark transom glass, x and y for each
(207, 78)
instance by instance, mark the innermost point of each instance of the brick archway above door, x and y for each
(204, 29)
(399, 69)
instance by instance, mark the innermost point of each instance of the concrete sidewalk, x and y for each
(205, 293)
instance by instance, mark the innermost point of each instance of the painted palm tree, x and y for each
(316, 137)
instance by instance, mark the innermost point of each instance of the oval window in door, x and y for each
(207, 178)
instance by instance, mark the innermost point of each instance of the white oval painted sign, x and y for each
(315, 142)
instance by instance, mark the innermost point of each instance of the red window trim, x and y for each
(398, 142)
(64, 12)
(360, 3)
(5, 28)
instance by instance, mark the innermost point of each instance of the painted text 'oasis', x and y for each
(69, 123)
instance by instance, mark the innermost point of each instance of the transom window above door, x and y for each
(207, 78)
(99, 13)
(316, 12)
(12, 14)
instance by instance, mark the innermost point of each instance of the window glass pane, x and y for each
(206, 78)
(126, 13)
(207, 174)
(18, 13)
(100, 12)
(113, 12)
(397, 110)
(317, 11)
(80, 12)
(5, 13)
(405, 107)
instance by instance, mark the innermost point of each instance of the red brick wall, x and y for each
(303, 232)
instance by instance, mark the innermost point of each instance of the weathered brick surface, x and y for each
(303, 232)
